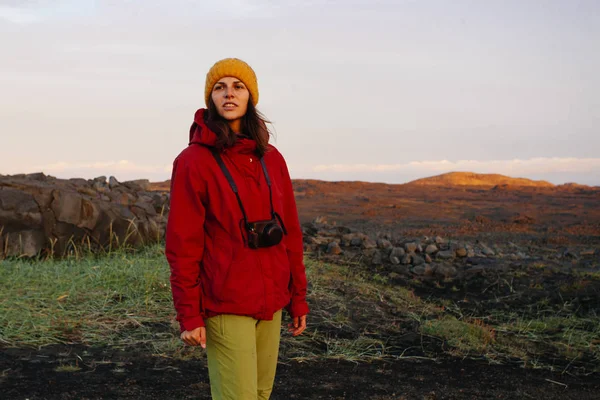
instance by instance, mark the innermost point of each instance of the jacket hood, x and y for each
(199, 131)
(202, 134)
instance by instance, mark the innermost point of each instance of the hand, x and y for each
(297, 326)
(197, 337)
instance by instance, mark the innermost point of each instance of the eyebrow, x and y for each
(223, 83)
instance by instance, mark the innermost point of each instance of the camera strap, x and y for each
(223, 167)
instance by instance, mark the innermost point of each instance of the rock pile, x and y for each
(424, 257)
(40, 213)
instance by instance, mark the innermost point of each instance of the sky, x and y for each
(372, 90)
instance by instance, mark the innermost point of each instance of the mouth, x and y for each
(229, 106)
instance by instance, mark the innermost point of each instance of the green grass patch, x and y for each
(67, 368)
(468, 337)
(568, 336)
(112, 300)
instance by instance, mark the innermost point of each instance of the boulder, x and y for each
(67, 206)
(377, 258)
(411, 247)
(100, 187)
(397, 252)
(461, 252)
(113, 182)
(137, 185)
(367, 243)
(423, 270)
(445, 255)
(384, 244)
(41, 213)
(417, 260)
(432, 248)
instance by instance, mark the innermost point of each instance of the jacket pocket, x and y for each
(242, 283)
(217, 261)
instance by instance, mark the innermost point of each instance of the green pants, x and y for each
(242, 356)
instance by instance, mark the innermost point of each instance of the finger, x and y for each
(187, 341)
(194, 340)
(189, 338)
(299, 330)
(184, 338)
(295, 322)
(203, 337)
(301, 327)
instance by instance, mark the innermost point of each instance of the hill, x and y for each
(473, 179)
(446, 180)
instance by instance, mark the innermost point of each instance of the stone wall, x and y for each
(425, 258)
(40, 214)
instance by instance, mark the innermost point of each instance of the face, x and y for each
(231, 98)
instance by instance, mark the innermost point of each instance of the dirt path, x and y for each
(31, 374)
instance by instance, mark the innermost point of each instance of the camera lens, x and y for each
(273, 234)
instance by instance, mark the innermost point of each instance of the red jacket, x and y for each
(213, 271)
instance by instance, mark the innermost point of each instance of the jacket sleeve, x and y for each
(295, 247)
(185, 244)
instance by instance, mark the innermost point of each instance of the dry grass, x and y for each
(124, 300)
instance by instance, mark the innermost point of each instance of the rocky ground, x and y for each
(484, 250)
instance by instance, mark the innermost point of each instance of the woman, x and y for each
(233, 240)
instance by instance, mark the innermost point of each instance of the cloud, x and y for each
(28, 12)
(241, 8)
(532, 166)
(556, 170)
(18, 15)
(122, 170)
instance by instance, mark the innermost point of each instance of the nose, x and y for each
(228, 93)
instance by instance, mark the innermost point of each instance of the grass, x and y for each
(568, 336)
(67, 368)
(111, 300)
(123, 300)
(465, 336)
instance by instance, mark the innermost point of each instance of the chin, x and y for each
(231, 116)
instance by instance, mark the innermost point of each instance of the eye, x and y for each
(217, 87)
(239, 87)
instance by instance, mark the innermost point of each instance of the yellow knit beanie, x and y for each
(231, 67)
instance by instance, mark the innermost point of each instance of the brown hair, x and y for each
(254, 125)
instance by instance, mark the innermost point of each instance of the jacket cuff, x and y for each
(189, 324)
(297, 309)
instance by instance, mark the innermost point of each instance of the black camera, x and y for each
(264, 233)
